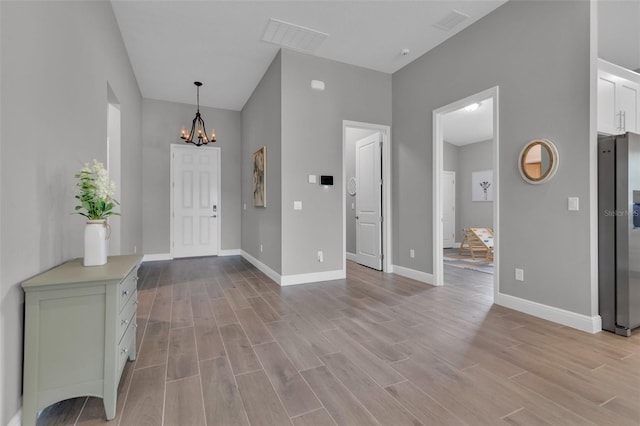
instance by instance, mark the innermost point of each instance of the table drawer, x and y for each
(127, 287)
(126, 346)
(127, 315)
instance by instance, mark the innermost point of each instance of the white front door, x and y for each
(369, 201)
(448, 209)
(196, 206)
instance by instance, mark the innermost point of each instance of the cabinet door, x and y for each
(628, 94)
(608, 118)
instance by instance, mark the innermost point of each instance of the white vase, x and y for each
(95, 243)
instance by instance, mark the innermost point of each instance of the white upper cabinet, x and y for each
(618, 99)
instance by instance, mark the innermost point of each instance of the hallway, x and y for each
(221, 344)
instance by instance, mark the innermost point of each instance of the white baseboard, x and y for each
(313, 277)
(17, 419)
(261, 266)
(284, 280)
(551, 313)
(351, 256)
(156, 257)
(167, 256)
(413, 274)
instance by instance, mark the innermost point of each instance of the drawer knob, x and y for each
(125, 322)
(124, 351)
(135, 303)
(125, 293)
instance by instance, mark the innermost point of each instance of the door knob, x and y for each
(357, 218)
(214, 215)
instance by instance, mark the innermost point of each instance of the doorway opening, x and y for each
(366, 194)
(465, 210)
(114, 136)
(195, 201)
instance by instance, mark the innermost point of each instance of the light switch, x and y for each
(297, 205)
(574, 204)
(353, 206)
(312, 179)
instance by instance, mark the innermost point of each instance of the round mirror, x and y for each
(538, 161)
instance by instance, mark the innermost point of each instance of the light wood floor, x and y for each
(221, 344)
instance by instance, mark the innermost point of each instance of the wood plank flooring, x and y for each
(221, 344)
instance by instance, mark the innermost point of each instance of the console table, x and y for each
(80, 329)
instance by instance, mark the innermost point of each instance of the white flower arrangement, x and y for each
(96, 192)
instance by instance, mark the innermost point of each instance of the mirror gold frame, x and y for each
(539, 176)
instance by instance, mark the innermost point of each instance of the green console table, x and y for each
(80, 329)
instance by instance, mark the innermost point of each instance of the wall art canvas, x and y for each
(260, 177)
(482, 185)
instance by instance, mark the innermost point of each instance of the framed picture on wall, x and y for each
(482, 185)
(260, 177)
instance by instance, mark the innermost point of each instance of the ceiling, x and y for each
(171, 44)
(464, 127)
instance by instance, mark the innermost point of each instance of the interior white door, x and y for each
(448, 209)
(196, 206)
(369, 201)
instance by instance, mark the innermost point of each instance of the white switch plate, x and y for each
(260, 248)
(245, 206)
(412, 253)
(320, 256)
(519, 274)
(297, 205)
(353, 206)
(312, 179)
(574, 204)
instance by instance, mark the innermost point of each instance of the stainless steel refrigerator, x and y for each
(619, 232)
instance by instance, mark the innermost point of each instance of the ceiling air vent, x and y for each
(293, 36)
(451, 20)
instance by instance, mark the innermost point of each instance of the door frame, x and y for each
(386, 191)
(438, 164)
(173, 149)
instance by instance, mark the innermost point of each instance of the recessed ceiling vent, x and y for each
(451, 20)
(293, 36)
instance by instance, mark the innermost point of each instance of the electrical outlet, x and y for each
(260, 248)
(135, 249)
(320, 256)
(412, 253)
(519, 274)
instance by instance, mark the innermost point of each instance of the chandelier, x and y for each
(197, 127)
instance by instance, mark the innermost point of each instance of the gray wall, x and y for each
(507, 48)
(161, 124)
(261, 126)
(56, 61)
(464, 160)
(312, 144)
(352, 135)
(472, 214)
(619, 32)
